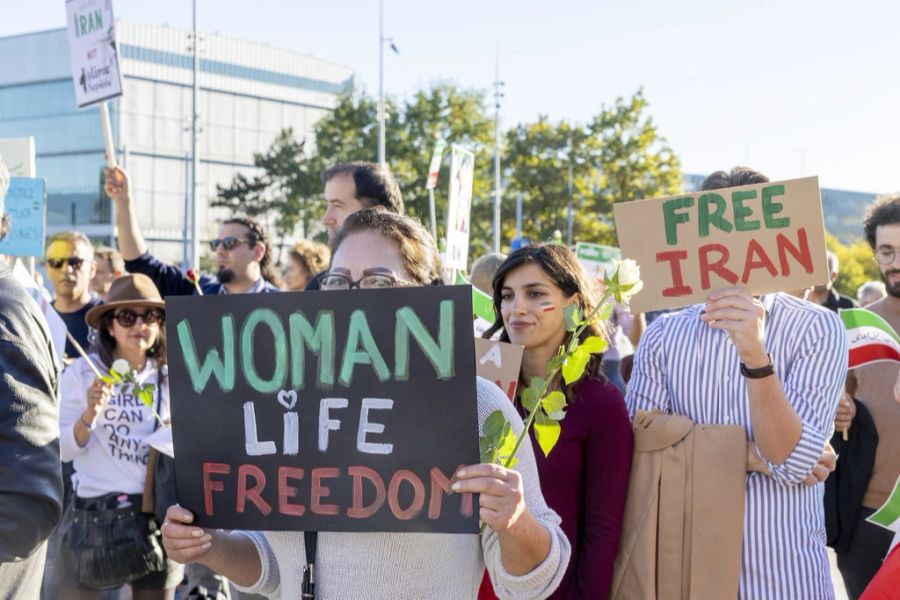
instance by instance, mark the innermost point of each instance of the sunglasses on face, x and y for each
(59, 263)
(127, 317)
(229, 243)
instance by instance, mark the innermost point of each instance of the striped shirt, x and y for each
(684, 366)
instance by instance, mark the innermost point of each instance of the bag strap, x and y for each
(310, 538)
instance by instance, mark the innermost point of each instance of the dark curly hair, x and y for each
(884, 211)
(258, 235)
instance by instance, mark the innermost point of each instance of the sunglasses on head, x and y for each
(127, 317)
(59, 263)
(229, 243)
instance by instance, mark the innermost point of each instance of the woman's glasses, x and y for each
(229, 243)
(59, 263)
(339, 281)
(127, 317)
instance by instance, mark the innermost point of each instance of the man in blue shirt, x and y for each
(242, 252)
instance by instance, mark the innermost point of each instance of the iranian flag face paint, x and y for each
(547, 306)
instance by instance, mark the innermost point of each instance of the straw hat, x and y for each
(130, 290)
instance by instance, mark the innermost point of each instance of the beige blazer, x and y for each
(684, 516)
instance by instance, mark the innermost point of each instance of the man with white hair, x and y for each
(31, 490)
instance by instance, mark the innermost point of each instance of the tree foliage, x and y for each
(856, 264)
(618, 155)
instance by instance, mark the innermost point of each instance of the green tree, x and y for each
(856, 264)
(617, 156)
(286, 191)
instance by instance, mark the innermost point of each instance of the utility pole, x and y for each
(195, 228)
(498, 94)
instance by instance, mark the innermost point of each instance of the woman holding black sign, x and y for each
(585, 476)
(111, 401)
(523, 548)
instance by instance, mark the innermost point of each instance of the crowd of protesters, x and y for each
(745, 401)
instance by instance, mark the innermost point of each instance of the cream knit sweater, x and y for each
(431, 566)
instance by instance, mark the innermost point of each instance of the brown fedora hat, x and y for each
(128, 290)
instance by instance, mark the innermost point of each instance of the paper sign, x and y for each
(595, 258)
(462, 168)
(766, 237)
(499, 362)
(25, 204)
(888, 516)
(335, 411)
(434, 169)
(18, 154)
(93, 52)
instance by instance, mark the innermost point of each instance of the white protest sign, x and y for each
(462, 170)
(92, 51)
(595, 258)
(18, 154)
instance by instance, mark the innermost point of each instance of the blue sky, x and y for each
(790, 87)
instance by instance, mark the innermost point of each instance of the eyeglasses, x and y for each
(59, 263)
(127, 317)
(885, 255)
(229, 243)
(339, 281)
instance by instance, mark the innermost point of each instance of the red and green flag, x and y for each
(872, 339)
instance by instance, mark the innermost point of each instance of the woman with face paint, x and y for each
(585, 476)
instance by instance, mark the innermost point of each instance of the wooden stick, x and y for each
(844, 435)
(84, 355)
(107, 136)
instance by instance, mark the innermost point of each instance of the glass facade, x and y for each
(248, 93)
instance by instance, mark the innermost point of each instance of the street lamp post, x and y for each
(195, 226)
(498, 94)
(381, 157)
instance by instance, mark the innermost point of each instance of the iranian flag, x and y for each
(871, 338)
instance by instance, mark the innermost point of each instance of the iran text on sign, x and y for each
(25, 204)
(766, 237)
(93, 52)
(335, 411)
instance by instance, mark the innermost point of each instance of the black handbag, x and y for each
(114, 546)
(111, 540)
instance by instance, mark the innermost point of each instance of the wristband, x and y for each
(759, 372)
(89, 427)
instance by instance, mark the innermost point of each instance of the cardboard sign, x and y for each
(767, 237)
(333, 411)
(434, 169)
(26, 205)
(596, 258)
(499, 362)
(18, 154)
(462, 170)
(93, 52)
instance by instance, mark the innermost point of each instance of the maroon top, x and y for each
(585, 480)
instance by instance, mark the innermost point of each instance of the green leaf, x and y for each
(557, 416)
(494, 424)
(488, 450)
(554, 364)
(107, 380)
(555, 401)
(146, 397)
(594, 344)
(573, 317)
(115, 376)
(538, 384)
(547, 435)
(573, 368)
(529, 398)
(606, 312)
(506, 448)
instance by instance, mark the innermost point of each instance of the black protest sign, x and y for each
(326, 411)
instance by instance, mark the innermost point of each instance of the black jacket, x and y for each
(31, 490)
(845, 488)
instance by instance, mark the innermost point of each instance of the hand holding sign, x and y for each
(734, 310)
(502, 496)
(117, 185)
(184, 543)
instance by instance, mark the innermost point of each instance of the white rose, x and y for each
(121, 366)
(628, 278)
